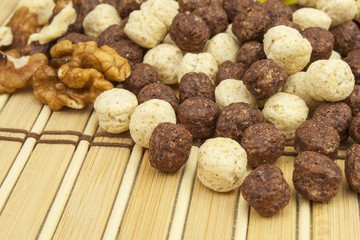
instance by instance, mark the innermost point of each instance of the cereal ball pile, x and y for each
(339, 11)
(311, 17)
(352, 167)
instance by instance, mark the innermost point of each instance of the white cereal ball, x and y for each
(307, 3)
(145, 29)
(229, 31)
(286, 111)
(287, 48)
(221, 164)
(43, 9)
(198, 62)
(6, 36)
(230, 91)
(146, 117)
(295, 84)
(329, 80)
(357, 16)
(335, 55)
(311, 17)
(340, 11)
(165, 58)
(100, 18)
(223, 47)
(114, 108)
(164, 10)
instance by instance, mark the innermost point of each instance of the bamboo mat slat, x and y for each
(3, 100)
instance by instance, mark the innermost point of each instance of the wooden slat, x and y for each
(8, 152)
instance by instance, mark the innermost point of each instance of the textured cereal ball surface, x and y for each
(250, 52)
(230, 70)
(311, 17)
(284, 22)
(125, 7)
(318, 137)
(111, 34)
(329, 80)
(354, 129)
(353, 59)
(339, 11)
(322, 42)
(158, 91)
(190, 32)
(114, 108)
(199, 116)
(316, 177)
(266, 190)
(196, 85)
(191, 5)
(278, 10)
(223, 47)
(264, 78)
(129, 50)
(236, 118)
(352, 167)
(146, 117)
(263, 144)
(353, 101)
(170, 146)
(233, 7)
(221, 164)
(347, 37)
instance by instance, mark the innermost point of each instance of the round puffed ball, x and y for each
(170, 146)
(266, 190)
(286, 111)
(263, 144)
(196, 85)
(354, 129)
(353, 59)
(114, 108)
(101, 17)
(339, 11)
(165, 58)
(146, 117)
(198, 62)
(352, 167)
(223, 47)
(250, 23)
(125, 7)
(347, 37)
(329, 80)
(221, 164)
(277, 9)
(353, 101)
(233, 7)
(311, 17)
(199, 116)
(264, 78)
(158, 91)
(190, 32)
(230, 70)
(232, 91)
(335, 55)
(236, 118)
(191, 5)
(288, 48)
(307, 3)
(318, 137)
(316, 177)
(164, 10)
(111, 34)
(250, 52)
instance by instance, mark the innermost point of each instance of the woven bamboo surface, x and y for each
(63, 178)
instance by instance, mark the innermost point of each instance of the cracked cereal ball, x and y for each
(277, 9)
(307, 3)
(264, 78)
(235, 118)
(114, 108)
(125, 7)
(233, 7)
(191, 5)
(250, 52)
(352, 167)
(165, 58)
(347, 37)
(146, 117)
(353, 59)
(288, 48)
(251, 23)
(339, 11)
(170, 146)
(354, 130)
(311, 17)
(221, 164)
(223, 47)
(286, 111)
(42, 8)
(316, 177)
(158, 91)
(329, 80)
(231, 91)
(198, 62)
(322, 42)
(266, 190)
(230, 70)
(190, 32)
(142, 74)
(313, 135)
(214, 16)
(101, 17)
(196, 85)
(164, 10)
(353, 101)
(199, 116)
(263, 144)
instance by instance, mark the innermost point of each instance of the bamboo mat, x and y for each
(63, 178)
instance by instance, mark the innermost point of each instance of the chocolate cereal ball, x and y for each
(125, 7)
(354, 130)
(353, 59)
(75, 37)
(352, 167)
(142, 74)
(322, 42)
(111, 34)
(285, 22)
(250, 52)
(264, 78)
(199, 115)
(347, 37)
(215, 17)
(315, 136)
(316, 177)
(233, 7)
(266, 190)
(230, 70)
(158, 91)
(338, 115)
(353, 101)
(196, 85)
(263, 143)
(251, 23)
(235, 118)
(191, 5)
(170, 146)
(278, 10)
(190, 32)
